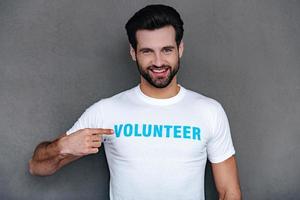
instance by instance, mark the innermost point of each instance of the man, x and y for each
(158, 135)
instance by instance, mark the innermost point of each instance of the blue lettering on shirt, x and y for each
(154, 130)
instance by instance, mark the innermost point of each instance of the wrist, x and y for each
(62, 146)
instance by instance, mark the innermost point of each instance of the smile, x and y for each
(159, 71)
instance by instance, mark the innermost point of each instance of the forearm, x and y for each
(44, 167)
(46, 150)
(47, 158)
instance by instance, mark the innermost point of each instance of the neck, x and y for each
(160, 93)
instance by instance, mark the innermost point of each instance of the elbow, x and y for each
(235, 196)
(31, 168)
(232, 195)
(34, 170)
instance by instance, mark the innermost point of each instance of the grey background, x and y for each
(58, 57)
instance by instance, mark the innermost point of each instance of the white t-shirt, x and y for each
(159, 147)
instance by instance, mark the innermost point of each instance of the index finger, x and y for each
(101, 131)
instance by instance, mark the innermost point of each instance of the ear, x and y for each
(181, 48)
(132, 53)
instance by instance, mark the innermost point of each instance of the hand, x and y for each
(83, 142)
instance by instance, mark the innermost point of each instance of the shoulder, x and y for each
(200, 100)
(115, 99)
(205, 106)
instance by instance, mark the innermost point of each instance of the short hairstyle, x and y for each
(153, 17)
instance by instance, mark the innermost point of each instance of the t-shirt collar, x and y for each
(161, 102)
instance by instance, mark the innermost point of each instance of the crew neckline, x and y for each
(160, 102)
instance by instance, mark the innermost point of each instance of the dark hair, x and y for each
(153, 17)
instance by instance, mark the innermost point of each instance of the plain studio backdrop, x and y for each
(59, 57)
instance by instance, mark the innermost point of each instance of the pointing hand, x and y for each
(84, 141)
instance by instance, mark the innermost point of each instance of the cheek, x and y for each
(173, 60)
(144, 61)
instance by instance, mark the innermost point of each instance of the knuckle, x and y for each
(94, 138)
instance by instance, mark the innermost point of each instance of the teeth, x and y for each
(159, 70)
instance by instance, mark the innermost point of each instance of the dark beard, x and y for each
(160, 82)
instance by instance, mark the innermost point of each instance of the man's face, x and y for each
(157, 55)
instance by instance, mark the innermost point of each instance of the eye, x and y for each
(146, 51)
(167, 50)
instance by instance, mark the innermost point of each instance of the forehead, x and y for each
(156, 38)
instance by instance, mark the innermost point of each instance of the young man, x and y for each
(158, 135)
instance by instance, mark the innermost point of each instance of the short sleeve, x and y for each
(91, 118)
(220, 146)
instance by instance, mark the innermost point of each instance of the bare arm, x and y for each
(48, 157)
(226, 179)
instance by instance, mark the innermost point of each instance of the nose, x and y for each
(158, 60)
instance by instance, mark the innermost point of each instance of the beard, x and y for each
(160, 81)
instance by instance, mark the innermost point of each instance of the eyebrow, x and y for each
(169, 47)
